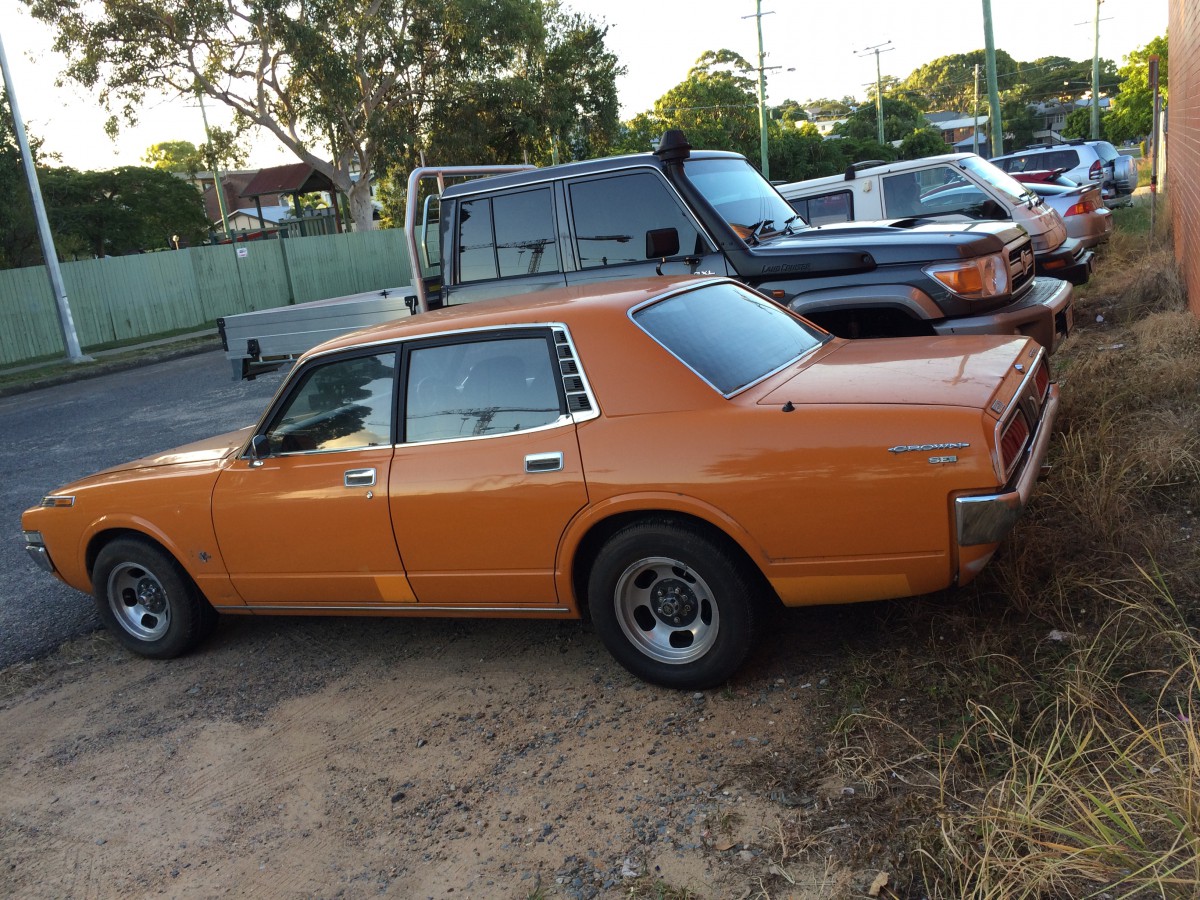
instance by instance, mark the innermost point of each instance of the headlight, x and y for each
(974, 279)
(1040, 243)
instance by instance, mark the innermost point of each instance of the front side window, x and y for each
(480, 387)
(344, 404)
(613, 215)
(727, 335)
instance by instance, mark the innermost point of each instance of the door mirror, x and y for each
(661, 243)
(260, 449)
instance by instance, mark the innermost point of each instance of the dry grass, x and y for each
(1039, 737)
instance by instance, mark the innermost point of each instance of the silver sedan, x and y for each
(1082, 209)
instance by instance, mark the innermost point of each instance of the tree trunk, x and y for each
(361, 209)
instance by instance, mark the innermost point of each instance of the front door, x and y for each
(308, 525)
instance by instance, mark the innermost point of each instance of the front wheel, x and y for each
(672, 606)
(147, 601)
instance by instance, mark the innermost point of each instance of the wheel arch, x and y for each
(590, 537)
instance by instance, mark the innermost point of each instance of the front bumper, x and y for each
(988, 519)
(1045, 313)
(36, 548)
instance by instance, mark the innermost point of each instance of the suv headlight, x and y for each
(974, 279)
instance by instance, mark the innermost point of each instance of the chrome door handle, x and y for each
(356, 478)
(543, 462)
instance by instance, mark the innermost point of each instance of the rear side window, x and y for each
(507, 235)
(826, 209)
(727, 335)
(613, 215)
(480, 387)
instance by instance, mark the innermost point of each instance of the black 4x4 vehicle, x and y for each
(673, 212)
(711, 212)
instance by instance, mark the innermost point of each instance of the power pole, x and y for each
(975, 114)
(989, 43)
(762, 93)
(66, 322)
(877, 49)
(216, 169)
(1096, 74)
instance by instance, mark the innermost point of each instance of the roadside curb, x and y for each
(84, 371)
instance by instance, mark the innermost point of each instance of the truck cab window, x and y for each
(612, 216)
(512, 234)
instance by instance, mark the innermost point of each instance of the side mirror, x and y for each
(260, 449)
(661, 243)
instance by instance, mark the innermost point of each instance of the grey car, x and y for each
(1084, 162)
(1082, 209)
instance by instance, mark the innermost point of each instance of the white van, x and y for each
(959, 187)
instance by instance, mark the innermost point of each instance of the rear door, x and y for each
(488, 473)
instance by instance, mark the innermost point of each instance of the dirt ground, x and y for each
(414, 758)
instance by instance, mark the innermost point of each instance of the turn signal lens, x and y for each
(974, 279)
(58, 501)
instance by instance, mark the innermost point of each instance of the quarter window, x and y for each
(341, 405)
(482, 387)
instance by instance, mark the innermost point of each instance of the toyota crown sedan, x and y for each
(667, 456)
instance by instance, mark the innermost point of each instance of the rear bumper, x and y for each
(1045, 313)
(1071, 261)
(1091, 230)
(988, 519)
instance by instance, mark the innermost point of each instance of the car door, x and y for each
(488, 473)
(308, 525)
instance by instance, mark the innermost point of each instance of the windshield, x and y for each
(742, 196)
(1003, 183)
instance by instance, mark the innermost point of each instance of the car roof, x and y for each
(555, 305)
(899, 165)
(573, 169)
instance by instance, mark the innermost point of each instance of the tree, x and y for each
(364, 80)
(900, 119)
(173, 156)
(18, 237)
(923, 142)
(1132, 112)
(948, 82)
(1078, 123)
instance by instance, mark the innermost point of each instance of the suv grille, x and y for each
(1021, 267)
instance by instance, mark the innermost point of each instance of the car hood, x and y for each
(924, 371)
(211, 449)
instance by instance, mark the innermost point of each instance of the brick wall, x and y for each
(1183, 141)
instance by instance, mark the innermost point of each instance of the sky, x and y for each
(817, 45)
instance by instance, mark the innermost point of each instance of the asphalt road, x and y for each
(56, 434)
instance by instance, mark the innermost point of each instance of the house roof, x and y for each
(968, 122)
(297, 178)
(272, 215)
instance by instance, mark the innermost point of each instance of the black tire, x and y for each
(672, 606)
(146, 599)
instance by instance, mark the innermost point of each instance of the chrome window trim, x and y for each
(709, 282)
(399, 344)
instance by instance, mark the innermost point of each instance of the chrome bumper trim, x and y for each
(38, 552)
(989, 518)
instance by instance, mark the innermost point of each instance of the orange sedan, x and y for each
(667, 455)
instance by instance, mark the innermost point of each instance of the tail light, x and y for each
(1096, 172)
(1082, 207)
(1041, 381)
(1013, 442)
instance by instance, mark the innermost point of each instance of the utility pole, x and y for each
(877, 49)
(975, 114)
(216, 168)
(49, 253)
(1096, 74)
(762, 93)
(989, 43)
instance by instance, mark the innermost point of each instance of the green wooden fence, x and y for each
(129, 297)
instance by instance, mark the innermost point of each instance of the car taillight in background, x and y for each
(1083, 207)
(1096, 171)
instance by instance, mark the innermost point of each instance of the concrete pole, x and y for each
(975, 114)
(1096, 75)
(49, 254)
(993, 88)
(762, 97)
(217, 171)
(878, 97)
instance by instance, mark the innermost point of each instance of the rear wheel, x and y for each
(146, 599)
(673, 607)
